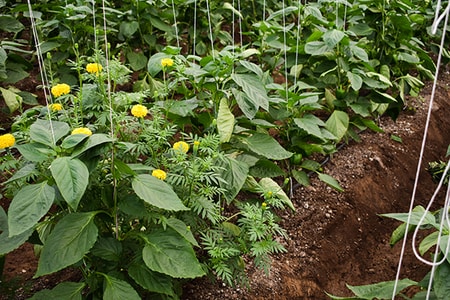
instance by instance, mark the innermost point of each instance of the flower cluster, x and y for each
(7, 140)
(60, 89)
(139, 111)
(94, 68)
(82, 130)
(56, 107)
(166, 62)
(181, 146)
(160, 174)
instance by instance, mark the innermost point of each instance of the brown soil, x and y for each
(334, 238)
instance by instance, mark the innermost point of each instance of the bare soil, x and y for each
(334, 238)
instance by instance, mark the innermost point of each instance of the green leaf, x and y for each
(127, 29)
(311, 124)
(63, 291)
(48, 132)
(253, 88)
(137, 60)
(72, 177)
(116, 289)
(73, 140)
(266, 168)
(35, 152)
(331, 181)
(355, 80)
(157, 193)
(333, 37)
(381, 290)
(301, 177)
(338, 123)
(316, 48)
(154, 63)
(107, 248)
(267, 146)
(8, 244)
(269, 184)
(10, 24)
(248, 107)
(225, 121)
(428, 242)
(27, 170)
(441, 284)
(12, 100)
(416, 215)
(359, 53)
(150, 280)
(69, 241)
(182, 229)
(234, 173)
(91, 142)
(28, 206)
(166, 252)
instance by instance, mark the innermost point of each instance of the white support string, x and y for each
(299, 28)
(195, 28)
(44, 78)
(210, 30)
(175, 23)
(424, 139)
(285, 51)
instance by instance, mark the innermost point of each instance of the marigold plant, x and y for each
(160, 174)
(60, 89)
(181, 146)
(82, 130)
(56, 107)
(7, 140)
(139, 111)
(94, 68)
(166, 62)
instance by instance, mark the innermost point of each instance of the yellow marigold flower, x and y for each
(139, 111)
(82, 130)
(160, 174)
(56, 107)
(181, 146)
(197, 143)
(7, 140)
(60, 89)
(94, 68)
(166, 62)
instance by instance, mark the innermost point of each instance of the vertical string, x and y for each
(422, 149)
(210, 29)
(240, 22)
(42, 70)
(175, 24)
(285, 50)
(195, 28)
(299, 28)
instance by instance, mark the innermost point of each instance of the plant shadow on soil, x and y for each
(334, 238)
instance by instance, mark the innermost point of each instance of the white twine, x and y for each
(422, 149)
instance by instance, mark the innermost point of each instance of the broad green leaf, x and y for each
(116, 289)
(8, 244)
(359, 52)
(157, 193)
(10, 24)
(63, 291)
(412, 59)
(28, 206)
(333, 37)
(317, 48)
(311, 124)
(127, 29)
(48, 132)
(310, 165)
(70, 240)
(398, 234)
(35, 152)
(72, 177)
(27, 170)
(234, 173)
(166, 252)
(301, 177)
(137, 60)
(12, 100)
(428, 242)
(150, 280)
(252, 67)
(355, 80)
(182, 229)
(381, 290)
(92, 141)
(338, 123)
(253, 88)
(107, 248)
(248, 107)
(441, 284)
(266, 168)
(416, 215)
(267, 146)
(225, 121)
(73, 140)
(236, 12)
(331, 181)
(269, 184)
(154, 63)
